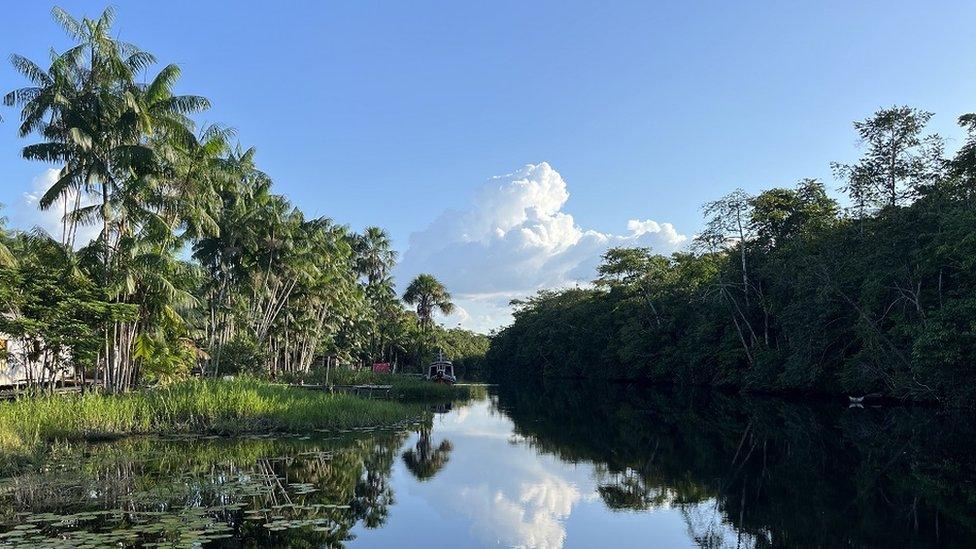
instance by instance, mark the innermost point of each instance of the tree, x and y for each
(728, 223)
(623, 266)
(375, 259)
(963, 166)
(375, 256)
(899, 163)
(108, 131)
(779, 215)
(636, 271)
(55, 309)
(427, 294)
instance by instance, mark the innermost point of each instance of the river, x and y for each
(555, 465)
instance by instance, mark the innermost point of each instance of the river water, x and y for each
(545, 466)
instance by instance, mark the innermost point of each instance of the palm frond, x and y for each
(74, 28)
(30, 70)
(139, 61)
(47, 152)
(68, 179)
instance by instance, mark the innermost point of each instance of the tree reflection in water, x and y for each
(262, 492)
(782, 474)
(423, 460)
(739, 472)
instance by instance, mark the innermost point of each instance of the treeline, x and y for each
(198, 264)
(786, 291)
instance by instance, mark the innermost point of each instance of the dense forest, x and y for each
(198, 265)
(786, 291)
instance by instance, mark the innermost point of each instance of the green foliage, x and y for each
(192, 406)
(242, 356)
(785, 295)
(466, 349)
(268, 292)
(56, 311)
(899, 163)
(164, 359)
(427, 293)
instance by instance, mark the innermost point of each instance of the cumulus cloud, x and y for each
(533, 518)
(506, 493)
(515, 239)
(509, 493)
(26, 214)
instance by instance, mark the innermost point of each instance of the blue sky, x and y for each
(392, 113)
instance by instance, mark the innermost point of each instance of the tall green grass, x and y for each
(193, 406)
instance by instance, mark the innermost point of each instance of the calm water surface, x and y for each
(550, 466)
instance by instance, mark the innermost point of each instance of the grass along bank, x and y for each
(192, 406)
(404, 387)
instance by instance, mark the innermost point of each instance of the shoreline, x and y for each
(790, 395)
(29, 427)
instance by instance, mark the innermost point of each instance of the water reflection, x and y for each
(269, 492)
(495, 490)
(764, 472)
(423, 460)
(546, 466)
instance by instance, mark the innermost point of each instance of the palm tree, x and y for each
(424, 460)
(7, 258)
(427, 294)
(83, 107)
(375, 255)
(42, 100)
(114, 138)
(375, 259)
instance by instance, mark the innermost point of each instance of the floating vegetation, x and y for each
(172, 491)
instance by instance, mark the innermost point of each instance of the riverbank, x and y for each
(198, 407)
(403, 387)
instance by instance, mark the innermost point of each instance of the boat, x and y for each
(859, 401)
(441, 371)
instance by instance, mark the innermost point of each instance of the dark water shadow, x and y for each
(783, 474)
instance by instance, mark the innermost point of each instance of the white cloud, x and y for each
(510, 493)
(533, 518)
(27, 214)
(516, 239)
(507, 494)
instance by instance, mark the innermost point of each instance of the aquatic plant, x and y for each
(213, 406)
(264, 490)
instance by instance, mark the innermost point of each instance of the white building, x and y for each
(17, 369)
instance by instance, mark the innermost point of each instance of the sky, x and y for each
(506, 145)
